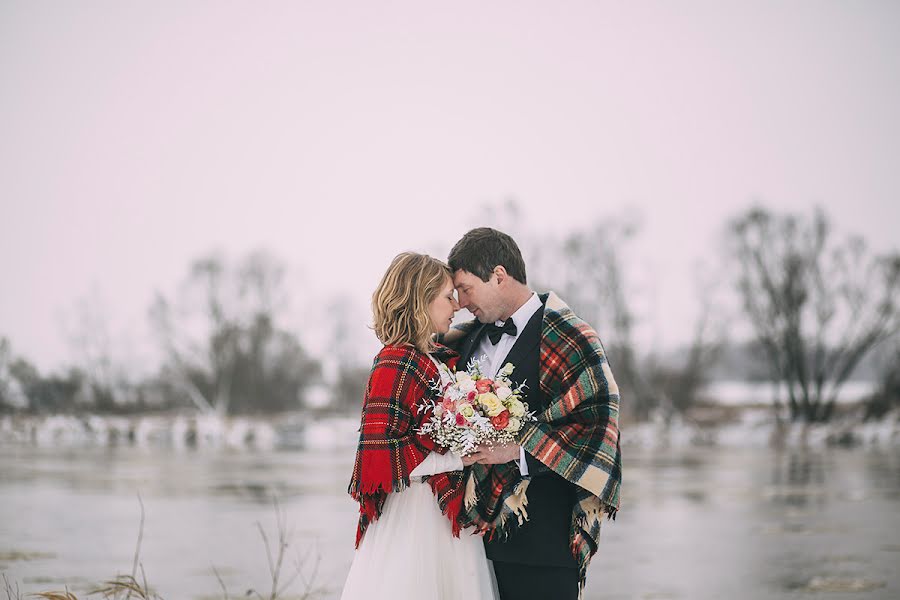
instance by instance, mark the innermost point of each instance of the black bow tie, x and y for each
(495, 332)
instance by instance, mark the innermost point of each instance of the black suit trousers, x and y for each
(530, 582)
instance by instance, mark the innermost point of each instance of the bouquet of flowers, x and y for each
(471, 409)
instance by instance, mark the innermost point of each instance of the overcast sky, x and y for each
(136, 136)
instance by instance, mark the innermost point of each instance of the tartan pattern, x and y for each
(389, 445)
(577, 436)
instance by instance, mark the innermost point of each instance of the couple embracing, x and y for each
(536, 504)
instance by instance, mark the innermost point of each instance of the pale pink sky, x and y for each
(136, 136)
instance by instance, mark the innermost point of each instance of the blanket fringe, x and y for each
(471, 495)
(502, 525)
(518, 501)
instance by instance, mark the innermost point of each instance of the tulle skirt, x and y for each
(410, 553)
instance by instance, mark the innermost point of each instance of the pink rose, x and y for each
(500, 421)
(448, 404)
(471, 396)
(484, 385)
(460, 420)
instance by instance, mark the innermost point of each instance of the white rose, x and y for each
(504, 392)
(462, 376)
(514, 425)
(516, 408)
(467, 385)
(507, 370)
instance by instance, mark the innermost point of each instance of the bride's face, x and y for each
(443, 307)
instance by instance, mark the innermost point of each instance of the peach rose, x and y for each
(500, 421)
(484, 385)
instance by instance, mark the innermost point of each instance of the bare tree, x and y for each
(225, 349)
(12, 396)
(817, 305)
(887, 396)
(23, 387)
(586, 267)
(106, 383)
(201, 351)
(679, 383)
(350, 372)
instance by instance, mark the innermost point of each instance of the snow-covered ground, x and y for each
(747, 393)
(179, 431)
(758, 427)
(753, 428)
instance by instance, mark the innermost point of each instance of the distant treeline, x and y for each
(821, 307)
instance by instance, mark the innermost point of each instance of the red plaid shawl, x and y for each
(577, 436)
(389, 446)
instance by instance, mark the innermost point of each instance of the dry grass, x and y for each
(276, 563)
(125, 586)
(12, 593)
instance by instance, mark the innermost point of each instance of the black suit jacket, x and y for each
(543, 539)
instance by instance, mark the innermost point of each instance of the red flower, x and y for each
(484, 385)
(460, 420)
(471, 396)
(500, 421)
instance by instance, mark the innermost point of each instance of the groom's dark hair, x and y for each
(482, 249)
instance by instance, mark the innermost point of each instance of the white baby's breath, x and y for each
(475, 410)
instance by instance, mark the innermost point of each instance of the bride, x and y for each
(408, 543)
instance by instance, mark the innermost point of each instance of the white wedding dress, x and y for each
(410, 553)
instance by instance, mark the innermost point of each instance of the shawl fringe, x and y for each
(358, 489)
(450, 503)
(390, 447)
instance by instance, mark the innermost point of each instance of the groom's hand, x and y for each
(496, 455)
(469, 459)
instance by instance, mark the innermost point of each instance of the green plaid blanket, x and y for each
(577, 436)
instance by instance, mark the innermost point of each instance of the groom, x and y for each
(540, 502)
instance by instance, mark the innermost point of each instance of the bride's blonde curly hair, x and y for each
(400, 302)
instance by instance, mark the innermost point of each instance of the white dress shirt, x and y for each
(493, 357)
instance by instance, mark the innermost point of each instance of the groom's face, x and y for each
(481, 298)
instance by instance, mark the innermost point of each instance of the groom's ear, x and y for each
(500, 273)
